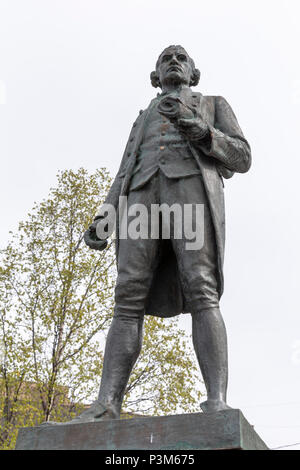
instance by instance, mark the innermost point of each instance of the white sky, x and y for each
(73, 76)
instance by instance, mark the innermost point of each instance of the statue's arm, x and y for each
(90, 236)
(112, 198)
(113, 194)
(227, 142)
(115, 189)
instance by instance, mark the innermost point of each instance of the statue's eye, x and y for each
(181, 57)
(166, 58)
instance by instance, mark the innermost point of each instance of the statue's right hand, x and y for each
(91, 239)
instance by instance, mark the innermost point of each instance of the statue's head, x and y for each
(174, 65)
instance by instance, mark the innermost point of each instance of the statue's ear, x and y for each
(195, 78)
(155, 80)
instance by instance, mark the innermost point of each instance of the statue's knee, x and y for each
(203, 295)
(130, 297)
(131, 289)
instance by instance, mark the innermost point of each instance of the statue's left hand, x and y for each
(194, 129)
(91, 239)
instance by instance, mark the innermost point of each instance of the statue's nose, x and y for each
(174, 60)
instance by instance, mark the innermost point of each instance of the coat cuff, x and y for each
(231, 151)
(211, 145)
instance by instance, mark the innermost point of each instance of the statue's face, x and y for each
(174, 66)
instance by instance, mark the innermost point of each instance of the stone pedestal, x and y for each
(200, 431)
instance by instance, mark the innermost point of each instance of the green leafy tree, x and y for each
(56, 304)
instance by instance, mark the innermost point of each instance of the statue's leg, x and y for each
(123, 345)
(199, 278)
(136, 264)
(122, 348)
(210, 343)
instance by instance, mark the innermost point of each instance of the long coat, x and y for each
(229, 153)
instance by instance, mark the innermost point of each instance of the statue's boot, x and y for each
(123, 345)
(95, 412)
(210, 343)
(212, 406)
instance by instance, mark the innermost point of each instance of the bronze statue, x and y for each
(179, 150)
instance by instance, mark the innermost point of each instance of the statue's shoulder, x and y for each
(143, 112)
(210, 98)
(207, 104)
(217, 99)
(216, 104)
(207, 99)
(140, 117)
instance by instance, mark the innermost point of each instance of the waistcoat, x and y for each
(163, 148)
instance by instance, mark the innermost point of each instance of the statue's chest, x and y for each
(158, 129)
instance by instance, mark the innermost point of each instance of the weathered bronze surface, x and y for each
(179, 150)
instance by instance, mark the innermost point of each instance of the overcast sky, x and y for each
(74, 75)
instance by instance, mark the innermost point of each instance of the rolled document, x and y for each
(174, 109)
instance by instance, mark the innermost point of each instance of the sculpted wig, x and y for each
(195, 76)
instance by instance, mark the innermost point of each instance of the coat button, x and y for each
(131, 139)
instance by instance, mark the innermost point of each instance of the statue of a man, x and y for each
(174, 155)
